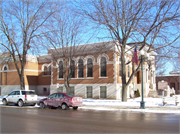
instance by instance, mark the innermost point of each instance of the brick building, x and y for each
(102, 79)
(173, 80)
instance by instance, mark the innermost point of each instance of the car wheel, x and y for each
(75, 108)
(42, 105)
(20, 103)
(64, 106)
(4, 102)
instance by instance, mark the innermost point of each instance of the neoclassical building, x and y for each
(96, 72)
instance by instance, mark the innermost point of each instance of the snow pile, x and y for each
(130, 102)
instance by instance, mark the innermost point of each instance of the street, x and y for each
(35, 120)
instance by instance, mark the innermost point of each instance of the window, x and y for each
(52, 96)
(103, 92)
(72, 69)
(71, 90)
(149, 75)
(17, 93)
(80, 68)
(120, 70)
(28, 93)
(60, 69)
(103, 67)
(5, 68)
(49, 70)
(45, 70)
(13, 93)
(60, 89)
(60, 96)
(89, 92)
(89, 68)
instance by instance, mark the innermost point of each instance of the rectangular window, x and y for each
(89, 92)
(103, 92)
(149, 75)
(71, 90)
(60, 89)
(120, 70)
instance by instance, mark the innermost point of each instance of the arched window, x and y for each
(120, 68)
(5, 68)
(89, 68)
(80, 68)
(72, 69)
(60, 69)
(103, 67)
(49, 70)
(45, 70)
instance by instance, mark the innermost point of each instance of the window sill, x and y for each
(60, 79)
(89, 77)
(46, 76)
(102, 77)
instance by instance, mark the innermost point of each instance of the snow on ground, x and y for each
(153, 105)
(130, 102)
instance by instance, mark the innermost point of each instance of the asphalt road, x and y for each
(35, 120)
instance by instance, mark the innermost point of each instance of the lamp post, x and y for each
(143, 57)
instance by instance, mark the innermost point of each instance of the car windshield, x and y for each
(70, 95)
(28, 93)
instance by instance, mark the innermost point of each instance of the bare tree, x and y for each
(62, 41)
(153, 23)
(21, 22)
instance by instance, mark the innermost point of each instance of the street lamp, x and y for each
(143, 57)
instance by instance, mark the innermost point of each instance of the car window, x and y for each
(17, 93)
(60, 96)
(23, 92)
(13, 93)
(28, 93)
(52, 96)
(70, 95)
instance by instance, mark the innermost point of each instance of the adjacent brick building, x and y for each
(173, 80)
(102, 79)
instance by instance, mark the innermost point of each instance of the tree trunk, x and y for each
(123, 65)
(22, 83)
(124, 93)
(66, 83)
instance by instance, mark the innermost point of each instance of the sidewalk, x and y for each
(153, 105)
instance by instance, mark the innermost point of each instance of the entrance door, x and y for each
(172, 85)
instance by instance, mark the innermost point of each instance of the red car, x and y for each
(62, 100)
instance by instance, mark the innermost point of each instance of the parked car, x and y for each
(21, 97)
(62, 100)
